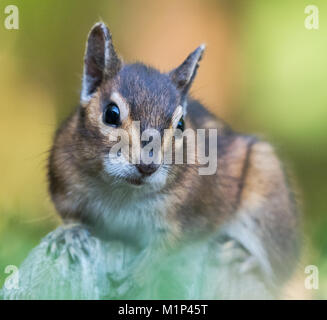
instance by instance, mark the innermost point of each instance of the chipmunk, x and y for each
(247, 201)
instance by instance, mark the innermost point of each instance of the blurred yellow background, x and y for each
(263, 72)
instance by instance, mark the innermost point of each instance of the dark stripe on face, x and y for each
(151, 96)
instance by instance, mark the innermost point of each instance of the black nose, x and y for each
(147, 169)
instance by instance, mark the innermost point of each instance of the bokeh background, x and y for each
(263, 72)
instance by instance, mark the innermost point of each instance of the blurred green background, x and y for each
(263, 72)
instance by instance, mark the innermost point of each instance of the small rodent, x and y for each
(247, 200)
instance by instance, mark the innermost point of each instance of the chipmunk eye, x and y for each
(111, 115)
(181, 124)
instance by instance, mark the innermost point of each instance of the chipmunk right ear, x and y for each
(100, 62)
(183, 75)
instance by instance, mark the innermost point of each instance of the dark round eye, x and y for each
(111, 115)
(181, 124)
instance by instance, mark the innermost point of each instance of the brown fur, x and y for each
(249, 181)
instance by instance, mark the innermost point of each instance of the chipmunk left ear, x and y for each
(183, 75)
(100, 62)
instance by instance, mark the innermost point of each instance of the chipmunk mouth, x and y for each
(156, 180)
(135, 181)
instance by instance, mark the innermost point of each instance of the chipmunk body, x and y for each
(247, 199)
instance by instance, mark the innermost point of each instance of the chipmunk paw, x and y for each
(73, 240)
(233, 253)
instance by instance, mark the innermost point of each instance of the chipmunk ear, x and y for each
(100, 62)
(183, 75)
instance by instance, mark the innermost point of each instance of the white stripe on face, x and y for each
(178, 113)
(121, 103)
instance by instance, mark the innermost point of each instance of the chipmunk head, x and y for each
(119, 97)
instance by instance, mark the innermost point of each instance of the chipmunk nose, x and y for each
(147, 169)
